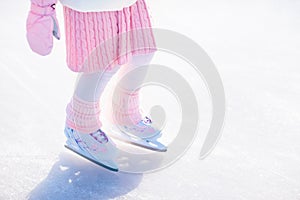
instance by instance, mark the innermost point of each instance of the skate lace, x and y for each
(100, 136)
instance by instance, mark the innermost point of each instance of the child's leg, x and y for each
(83, 126)
(91, 85)
(83, 110)
(126, 98)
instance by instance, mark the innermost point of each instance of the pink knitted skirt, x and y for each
(99, 40)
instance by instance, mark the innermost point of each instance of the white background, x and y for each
(256, 48)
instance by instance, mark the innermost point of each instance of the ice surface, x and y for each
(256, 47)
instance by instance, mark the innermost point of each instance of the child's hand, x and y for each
(41, 26)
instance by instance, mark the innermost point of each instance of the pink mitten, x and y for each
(41, 26)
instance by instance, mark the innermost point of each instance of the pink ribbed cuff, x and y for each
(126, 107)
(83, 116)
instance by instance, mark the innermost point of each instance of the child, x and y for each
(102, 37)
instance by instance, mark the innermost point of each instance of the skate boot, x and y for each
(96, 147)
(142, 134)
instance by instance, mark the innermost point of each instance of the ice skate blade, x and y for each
(143, 143)
(160, 147)
(92, 160)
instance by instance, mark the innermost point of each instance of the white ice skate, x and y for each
(142, 134)
(96, 147)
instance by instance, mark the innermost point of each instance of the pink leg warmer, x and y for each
(83, 116)
(125, 103)
(126, 107)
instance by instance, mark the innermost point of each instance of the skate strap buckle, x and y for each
(147, 120)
